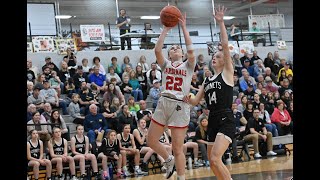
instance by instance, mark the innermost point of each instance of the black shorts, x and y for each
(222, 122)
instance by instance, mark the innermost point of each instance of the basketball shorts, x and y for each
(172, 113)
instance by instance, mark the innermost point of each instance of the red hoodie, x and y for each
(277, 116)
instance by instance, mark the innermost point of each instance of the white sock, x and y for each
(124, 168)
(181, 177)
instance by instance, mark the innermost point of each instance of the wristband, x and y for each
(189, 47)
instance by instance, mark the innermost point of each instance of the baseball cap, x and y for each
(287, 63)
(37, 88)
(47, 57)
(155, 81)
(250, 85)
(246, 60)
(44, 81)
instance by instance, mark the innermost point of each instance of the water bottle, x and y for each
(228, 160)
(110, 171)
(189, 162)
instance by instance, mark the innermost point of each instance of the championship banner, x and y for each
(63, 44)
(92, 33)
(43, 44)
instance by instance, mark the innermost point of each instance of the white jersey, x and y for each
(176, 79)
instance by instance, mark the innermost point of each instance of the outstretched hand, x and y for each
(219, 13)
(182, 19)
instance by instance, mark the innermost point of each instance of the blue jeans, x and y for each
(137, 94)
(92, 136)
(273, 129)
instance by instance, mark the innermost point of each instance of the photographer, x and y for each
(71, 60)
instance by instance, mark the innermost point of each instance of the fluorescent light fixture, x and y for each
(228, 17)
(63, 16)
(150, 17)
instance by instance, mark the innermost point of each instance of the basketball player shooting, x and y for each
(218, 93)
(171, 111)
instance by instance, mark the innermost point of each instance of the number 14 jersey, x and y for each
(176, 78)
(218, 94)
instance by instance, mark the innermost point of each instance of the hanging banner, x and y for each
(63, 44)
(43, 44)
(246, 46)
(281, 45)
(92, 33)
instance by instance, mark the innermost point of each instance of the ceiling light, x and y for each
(150, 17)
(228, 17)
(63, 16)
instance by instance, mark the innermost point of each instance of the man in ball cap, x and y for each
(48, 63)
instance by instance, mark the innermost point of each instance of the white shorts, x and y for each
(172, 113)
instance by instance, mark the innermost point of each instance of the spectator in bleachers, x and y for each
(259, 88)
(201, 138)
(127, 71)
(276, 97)
(269, 62)
(30, 86)
(136, 87)
(271, 102)
(269, 73)
(32, 108)
(36, 157)
(128, 147)
(144, 113)
(31, 76)
(282, 74)
(240, 122)
(152, 78)
(243, 105)
(276, 58)
(259, 67)
(85, 67)
(249, 92)
(256, 130)
(64, 73)
(270, 85)
(126, 88)
(194, 84)
(285, 87)
(125, 117)
(59, 122)
(248, 112)
(110, 149)
(156, 75)
(39, 82)
(70, 88)
(193, 118)
(99, 80)
(286, 98)
(199, 66)
(55, 82)
(116, 104)
(80, 77)
(155, 92)
(254, 57)
(260, 79)
(48, 62)
(111, 93)
(94, 122)
(111, 74)
(250, 68)
(290, 78)
(140, 137)
(126, 61)
(98, 65)
(205, 112)
(74, 109)
(133, 107)
(36, 99)
(32, 68)
(264, 115)
(58, 148)
(110, 113)
(239, 97)
(42, 129)
(245, 57)
(142, 78)
(116, 66)
(80, 152)
(256, 101)
(47, 109)
(71, 60)
(143, 63)
(282, 119)
(237, 64)
(247, 79)
(50, 96)
(47, 72)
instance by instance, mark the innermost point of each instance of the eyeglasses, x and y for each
(254, 23)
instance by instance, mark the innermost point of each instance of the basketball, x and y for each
(170, 15)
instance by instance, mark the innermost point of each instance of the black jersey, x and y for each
(218, 94)
(58, 149)
(35, 151)
(126, 142)
(139, 146)
(108, 148)
(80, 146)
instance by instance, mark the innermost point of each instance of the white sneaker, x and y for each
(257, 155)
(197, 163)
(139, 172)
(126, 173)
(163, 169)
(74, 178)
(170, 166)
(271, 153)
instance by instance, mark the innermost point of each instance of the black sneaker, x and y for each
(144, 167)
